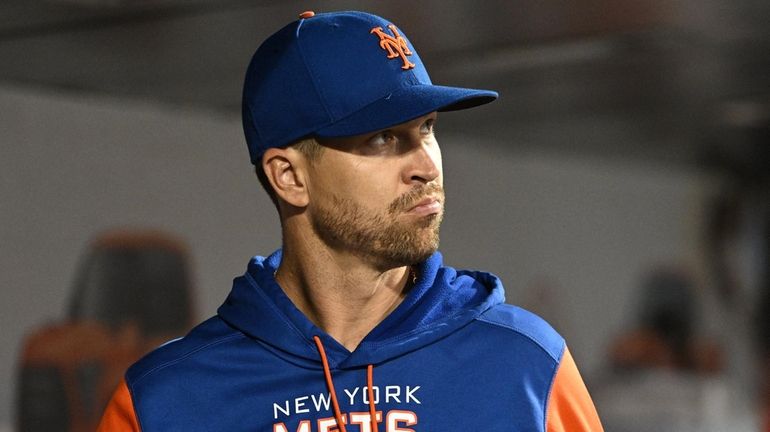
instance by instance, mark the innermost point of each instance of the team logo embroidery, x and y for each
(395, 45)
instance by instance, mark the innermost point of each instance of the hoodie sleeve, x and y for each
(569, 406)
(119, 415)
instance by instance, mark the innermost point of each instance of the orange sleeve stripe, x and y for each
(570, 407)
(119, 415)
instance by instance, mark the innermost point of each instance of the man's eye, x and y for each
(382, 139)
(428, 127)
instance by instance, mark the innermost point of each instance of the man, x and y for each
(355, 325)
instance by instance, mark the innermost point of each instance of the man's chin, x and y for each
(416, 252)
(423, 255)
(423, 249)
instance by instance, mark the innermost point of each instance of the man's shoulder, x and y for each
(203, 340)
(519, 323)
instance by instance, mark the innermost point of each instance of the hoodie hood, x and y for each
(441, 301)
(450, 357)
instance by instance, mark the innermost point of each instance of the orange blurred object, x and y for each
(132, 293)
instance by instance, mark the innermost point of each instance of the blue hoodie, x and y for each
(451, 357)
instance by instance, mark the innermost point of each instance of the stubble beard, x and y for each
(381, 237)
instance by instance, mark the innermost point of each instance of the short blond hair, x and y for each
(308, 147)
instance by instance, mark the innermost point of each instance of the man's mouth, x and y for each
(427, 199)
(426, 206)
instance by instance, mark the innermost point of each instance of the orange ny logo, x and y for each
(395, 45)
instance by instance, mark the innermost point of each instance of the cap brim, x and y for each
(404, 105)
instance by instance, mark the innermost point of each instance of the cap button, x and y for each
(307, 14)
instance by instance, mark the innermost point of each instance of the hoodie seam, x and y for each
(433, 324)
(130, 388)
(517, 330)
(185, 356)
(553, 370)
(547, 404)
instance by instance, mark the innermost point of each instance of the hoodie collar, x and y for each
(441, 301)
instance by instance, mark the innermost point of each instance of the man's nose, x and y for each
(425, 163)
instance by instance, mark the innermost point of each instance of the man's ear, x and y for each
(285, 170)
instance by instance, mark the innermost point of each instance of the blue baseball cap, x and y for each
(339, 74)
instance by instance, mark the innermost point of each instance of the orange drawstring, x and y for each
(370, 385)
(330, 385)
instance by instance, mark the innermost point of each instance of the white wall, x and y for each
(71, 166)
(571, 238)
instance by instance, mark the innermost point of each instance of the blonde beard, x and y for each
(381, 238)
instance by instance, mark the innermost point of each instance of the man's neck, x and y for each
(339, 292)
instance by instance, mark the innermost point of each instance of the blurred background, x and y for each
(620, 187)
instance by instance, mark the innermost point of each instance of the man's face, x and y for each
(380, 195)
